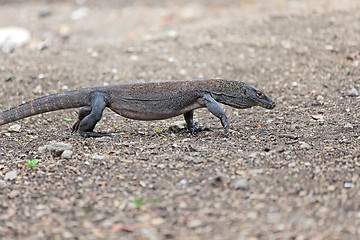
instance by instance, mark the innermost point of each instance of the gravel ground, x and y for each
(287, 173)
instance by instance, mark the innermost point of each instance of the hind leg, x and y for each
(189, 118)
(88, 123)
(83, 112)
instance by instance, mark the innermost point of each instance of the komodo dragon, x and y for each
(146, 101)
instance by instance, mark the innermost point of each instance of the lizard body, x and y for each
(146, 101)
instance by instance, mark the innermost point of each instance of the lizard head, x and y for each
(240, 95)
(255, 97)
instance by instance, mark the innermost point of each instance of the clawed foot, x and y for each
(94, 134)
(194, 130)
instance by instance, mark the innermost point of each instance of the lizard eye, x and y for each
(259, 94)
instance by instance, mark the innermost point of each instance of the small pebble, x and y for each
(162, 166)
(94, 54)
(328, 149)
(349, 185)
(320, 98)
(12, 38)
(253, 154)
(318, 117)
(67, 154)
(142, 183)
(71, 168)
(182, 72)
(353, 93)
(56, 148)
(98, 157)
(44, 12)
(270, 120)
(11, 175)
(14, 128)
(329, 47)
(183, 181)
(130, 50)
(177, 126)
(2, 184)
(37, 90)
(195, 160)
(240, 184)
(292, 165)
(79, 13)
(13, 194)
(134, 58)
(348, 126)
(157, 221)
(172, 33)
(304, 145)
(194, 223)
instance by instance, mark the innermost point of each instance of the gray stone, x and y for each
(196, 160)
(56, 148)
(13, 37)
(45, 12)
(13, 194)
(67, 154)
(177, 126)
(195, 223)
(11, 175)
(2, 184)
(98, 157)
(349, 185)
(353, 93)
(240, 184)
(292, 165)
(304, 145)
(14, 128)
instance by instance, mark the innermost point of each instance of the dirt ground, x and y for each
(288, 173)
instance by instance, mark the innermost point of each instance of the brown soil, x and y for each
(288, 173)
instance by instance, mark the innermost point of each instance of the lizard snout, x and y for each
(273, 104)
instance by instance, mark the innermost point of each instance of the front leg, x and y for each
(87, 124)
(215, 108)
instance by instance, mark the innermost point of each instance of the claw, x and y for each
(195, 129)
(227, 132)
(75, 127)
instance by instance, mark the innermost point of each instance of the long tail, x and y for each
(53, 102)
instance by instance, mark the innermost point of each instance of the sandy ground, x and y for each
(287, 173)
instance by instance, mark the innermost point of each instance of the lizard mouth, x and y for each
(265, 103)
(271, 105)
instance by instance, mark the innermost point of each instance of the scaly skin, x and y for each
(146, 101)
